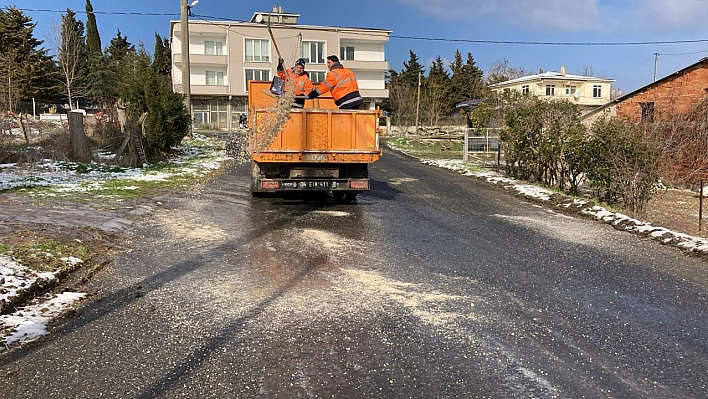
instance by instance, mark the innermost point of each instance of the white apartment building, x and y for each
(224, 56)
(588, 92)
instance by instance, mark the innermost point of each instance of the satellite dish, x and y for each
(576, 95)
(259, 18)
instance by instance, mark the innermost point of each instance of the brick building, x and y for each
(675, 93)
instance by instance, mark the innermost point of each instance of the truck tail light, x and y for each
(362, 184)
(270, 184)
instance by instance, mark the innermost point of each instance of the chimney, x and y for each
(563, 70)
(275, 8)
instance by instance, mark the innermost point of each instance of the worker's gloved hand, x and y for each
(280, 64)
(312, 94)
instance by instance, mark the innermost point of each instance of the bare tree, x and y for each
(403, 98)
(434, 102)
(436, 95)
(684, 139)
(70, 44)
(586, 70)
(500, 71)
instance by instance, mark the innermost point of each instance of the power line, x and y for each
(553, 43)
(478, 41)
(149, 14)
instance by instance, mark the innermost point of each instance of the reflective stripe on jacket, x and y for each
(342, 83)
(302, 83)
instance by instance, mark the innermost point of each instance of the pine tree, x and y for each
(104, 80)
(119, 48)
(466, 80)
(26, 69)
(412, 71)
(475, 77)
(143, 90)
(168, 120)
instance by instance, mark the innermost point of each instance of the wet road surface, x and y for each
(431, 285)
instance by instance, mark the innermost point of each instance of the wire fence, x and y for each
(484, 145)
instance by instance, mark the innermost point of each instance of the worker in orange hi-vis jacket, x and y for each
(342, 83)
(300, 79)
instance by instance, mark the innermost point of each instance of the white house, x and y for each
(587, 91)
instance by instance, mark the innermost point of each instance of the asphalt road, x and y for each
(432, 285)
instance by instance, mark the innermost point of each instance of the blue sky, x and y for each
(489, 30)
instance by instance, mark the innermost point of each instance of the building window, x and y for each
(213, 48)
(647, 112)
(550, 90)
(257, 74)
(317, 77)
(313, 52)
(597, 91)
(525, 89)
(346, 53)
(570, 90)
(214, 78)
(257, 50)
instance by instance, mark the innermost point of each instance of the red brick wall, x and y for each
(679, 93)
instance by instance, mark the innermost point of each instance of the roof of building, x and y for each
(662, 80)
(550, 75)
(470, 103)
(650, 85)
(384, 32)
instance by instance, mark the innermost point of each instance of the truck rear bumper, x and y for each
(275, 185)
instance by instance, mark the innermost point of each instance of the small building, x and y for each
(675, 93)
(587, 92)
(225, 55)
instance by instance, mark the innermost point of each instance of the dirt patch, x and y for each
(101, 248)
(676, 210)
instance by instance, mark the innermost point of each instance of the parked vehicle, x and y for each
(319, 149)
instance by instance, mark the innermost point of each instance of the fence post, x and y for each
(466, 146)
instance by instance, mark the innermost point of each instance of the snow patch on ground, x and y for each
(618, 220)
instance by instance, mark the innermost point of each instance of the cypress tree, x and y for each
(162, 63)
(93, 39)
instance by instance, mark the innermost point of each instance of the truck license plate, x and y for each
(309, 184)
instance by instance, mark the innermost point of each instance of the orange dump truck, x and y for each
(319, 148)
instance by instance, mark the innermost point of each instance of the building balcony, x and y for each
(366, 65)
(373, 93)
(210, 90)
(202, 59)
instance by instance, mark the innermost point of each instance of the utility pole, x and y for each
(417, 106)
(186, 84)
(656, 60)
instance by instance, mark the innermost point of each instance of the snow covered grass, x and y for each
(75, 181)
(618, 220)
(27, 323)
(27, 268)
